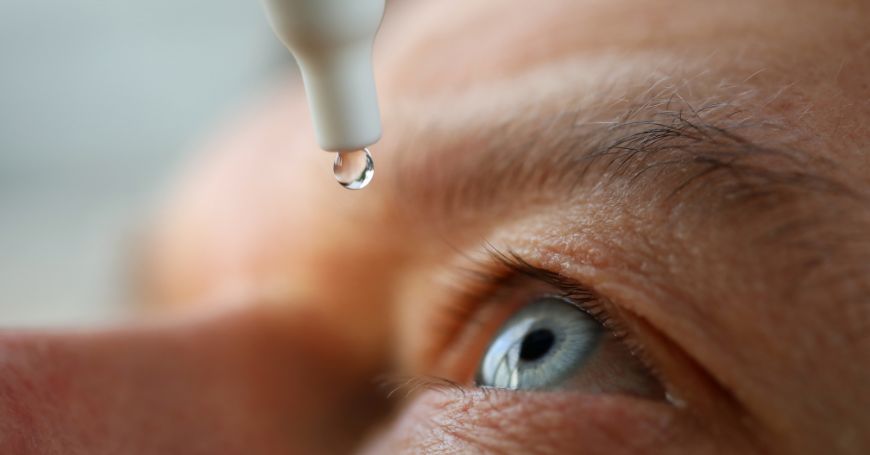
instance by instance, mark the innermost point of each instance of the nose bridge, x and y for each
(249, 381)
(315, 378)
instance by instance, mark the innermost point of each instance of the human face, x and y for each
(698, 166)
(694, 171)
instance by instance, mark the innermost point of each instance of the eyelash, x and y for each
(489, 280)
(503, 270)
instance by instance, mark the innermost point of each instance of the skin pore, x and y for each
(699, 168)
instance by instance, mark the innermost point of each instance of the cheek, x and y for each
(494, 421)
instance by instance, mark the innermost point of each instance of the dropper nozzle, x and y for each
(332, 41)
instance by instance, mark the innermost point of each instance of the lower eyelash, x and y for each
(402, 387)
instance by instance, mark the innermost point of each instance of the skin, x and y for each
(745, 295)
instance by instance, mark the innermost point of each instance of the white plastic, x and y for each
(332, 41)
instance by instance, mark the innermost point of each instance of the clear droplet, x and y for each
(354, 169)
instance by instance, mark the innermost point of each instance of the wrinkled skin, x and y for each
(752, 310)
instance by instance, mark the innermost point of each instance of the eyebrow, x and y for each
(661, 149)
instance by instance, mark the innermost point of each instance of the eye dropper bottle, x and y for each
(332, 41)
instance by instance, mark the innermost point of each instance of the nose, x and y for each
(253, 380)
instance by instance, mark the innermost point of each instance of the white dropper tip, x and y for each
(332, 41)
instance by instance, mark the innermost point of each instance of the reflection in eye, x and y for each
(551, 343)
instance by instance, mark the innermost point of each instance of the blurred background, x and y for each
(99, 103)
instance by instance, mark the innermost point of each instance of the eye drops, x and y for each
(355, 169)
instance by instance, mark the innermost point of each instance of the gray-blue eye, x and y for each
(541, 346)
(551, 343)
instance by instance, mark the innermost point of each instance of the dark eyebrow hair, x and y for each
(662, 149)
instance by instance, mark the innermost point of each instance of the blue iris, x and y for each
(540, 346)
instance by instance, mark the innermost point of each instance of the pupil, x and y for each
(536, 344)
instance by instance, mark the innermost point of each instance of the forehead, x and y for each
(476, 41)
(809, 60)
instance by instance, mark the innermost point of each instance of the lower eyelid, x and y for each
(492, 420)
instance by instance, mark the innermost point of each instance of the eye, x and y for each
(539, 347)
(552, 343)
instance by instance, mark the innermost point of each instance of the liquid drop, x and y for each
(354, 169)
